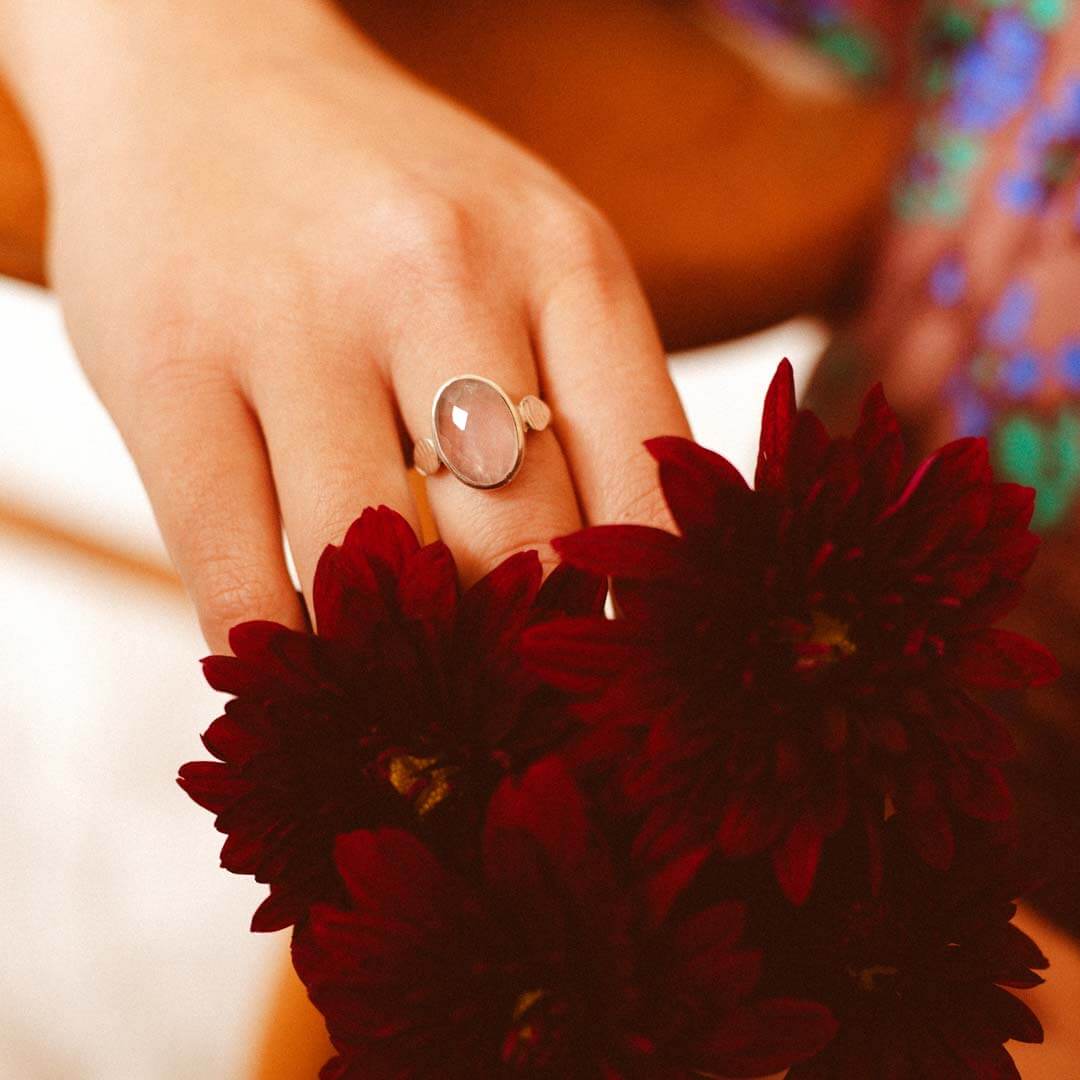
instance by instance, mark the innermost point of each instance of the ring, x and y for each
(478, 432)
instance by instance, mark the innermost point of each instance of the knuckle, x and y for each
(166, 398)
(587, 249)
(641, 505)
(328, 523)
(163, 376)
(500, 548)
(427, 238)
(175, 351)
(493, 542)
(228, 590)
(132, 355)
(342, 491)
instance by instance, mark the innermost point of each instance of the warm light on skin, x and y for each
(699, 267)
(688, 257)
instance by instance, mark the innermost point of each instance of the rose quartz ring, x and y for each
(478, 432)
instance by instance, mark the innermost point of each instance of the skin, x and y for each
(262, 373)
(256, 370)
(697, 152)
(272, 243)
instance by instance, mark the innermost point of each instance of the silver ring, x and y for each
(478, 432)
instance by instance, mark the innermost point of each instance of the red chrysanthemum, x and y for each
(916, 975)
(547, 968)
(802, 651)
(408, 705)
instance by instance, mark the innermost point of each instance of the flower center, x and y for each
(871, 978)
(827, 641)
(539, 1032)
(422, 780)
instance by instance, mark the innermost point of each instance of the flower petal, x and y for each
(750, 822)
(980, 791)
(625, 551)
(428, 587)
(584, 654)
(766, 1037)
(795, 860)
(279, 910)
(668, 884)
(719, 927)
(495, 610)
(700, 487)
(538, 833)
(345, 595)
(571, 591)
(383, 534)
(777, 429)
(211, 784)
(954, 469)
(999, 659)
(880, 447)
(931, 835)
(390, 872)
(232, 742)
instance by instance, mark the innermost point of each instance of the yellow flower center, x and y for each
(867, 978)
(830, 631)
(420, 779)
(526, 1001)
(537, 1039)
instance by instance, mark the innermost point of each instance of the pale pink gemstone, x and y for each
(476, 432)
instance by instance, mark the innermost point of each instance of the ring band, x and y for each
(478, 432)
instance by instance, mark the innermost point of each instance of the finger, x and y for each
(483, 527)
(606, 379)
(334, 448)
(204, 466)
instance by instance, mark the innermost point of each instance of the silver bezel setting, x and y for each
(519, 430)
(529, 414)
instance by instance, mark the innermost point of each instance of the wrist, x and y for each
(94, 76)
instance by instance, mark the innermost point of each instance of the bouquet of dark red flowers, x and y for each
(754, 822)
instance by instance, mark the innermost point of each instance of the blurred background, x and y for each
(128, 955)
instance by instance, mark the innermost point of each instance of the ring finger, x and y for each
(483, 527)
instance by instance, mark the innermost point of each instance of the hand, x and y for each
(272, 248)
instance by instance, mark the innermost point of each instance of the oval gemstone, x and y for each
(477, 434)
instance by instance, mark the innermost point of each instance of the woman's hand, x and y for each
(272, 246)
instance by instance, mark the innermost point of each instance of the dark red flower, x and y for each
(409, 705)
(916, 975)
(548, 968)
(802, 652)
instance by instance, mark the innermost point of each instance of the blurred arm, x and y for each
(22, 198)
(65, 66)
(739, 201)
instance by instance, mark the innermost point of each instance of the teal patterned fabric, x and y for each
(992, 186)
